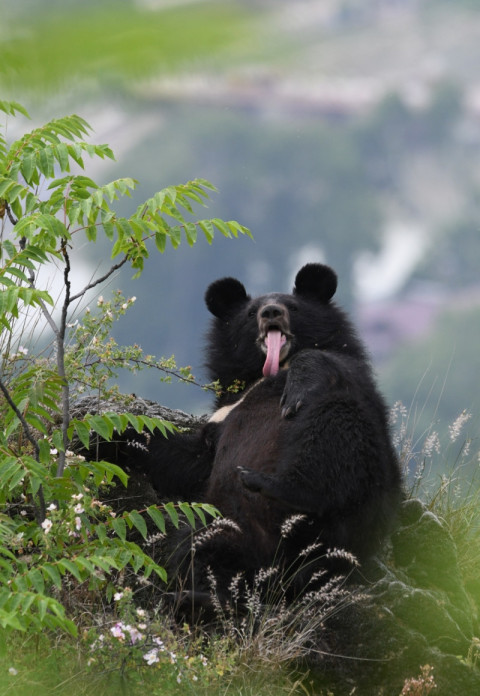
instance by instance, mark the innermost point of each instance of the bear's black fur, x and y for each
(307, 435)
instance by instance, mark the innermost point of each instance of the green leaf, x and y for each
(160, 240)
(137, 520)
(191, 233)
(120, 528)
(175, 236)
(207, 228)
(157, 517)
(101, 425)
(172, 513)
(28, 167)
(187, 511)
(10, 107)
(83, 432)
(66, 565)
(222, 226)
(101, 532)
(53, 573)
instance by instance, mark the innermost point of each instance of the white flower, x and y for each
(125, 305)
(118, 596)
(78, 509)
(135, 634)
(78, 523)
(117, 631)
(51, 507)
(141, 613)
(179, 678)
(100, 301)
(13, 671)
(22, 350)
(46, 525)
(151, 657)
(77, 496)
(53, 451)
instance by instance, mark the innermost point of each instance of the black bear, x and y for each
(299, 460)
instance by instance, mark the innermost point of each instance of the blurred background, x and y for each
(342, 131)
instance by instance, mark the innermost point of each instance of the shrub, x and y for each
(56, 536)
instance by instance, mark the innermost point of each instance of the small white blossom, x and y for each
(53, 451)
(78, 509)
(22, 350)
(135, 634)
(51, 507)
(118, 596)
(78, 523)
(77, 496)
(100, 301)
(117, 631)
(13, 671)
(151, 657)
(47, 525)
(125, 305)
(141, 613)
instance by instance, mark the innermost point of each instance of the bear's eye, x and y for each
(252, 313)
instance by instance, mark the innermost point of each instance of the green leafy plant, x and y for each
(56, 536)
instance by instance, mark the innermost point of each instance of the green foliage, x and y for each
(56, 536)
(44, 45)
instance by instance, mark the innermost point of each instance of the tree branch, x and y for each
(10, 215)
(39, 514)
(96, 282)
(60, 339)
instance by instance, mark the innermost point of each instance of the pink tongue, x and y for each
(274, 342)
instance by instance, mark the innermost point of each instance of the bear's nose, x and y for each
(272, 311)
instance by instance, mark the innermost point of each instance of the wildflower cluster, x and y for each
(134, 637)
(421, 685)
(74, 520)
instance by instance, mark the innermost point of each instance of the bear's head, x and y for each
(250, 337)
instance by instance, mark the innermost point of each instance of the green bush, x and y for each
(56, 536)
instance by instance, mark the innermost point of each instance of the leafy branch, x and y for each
(43, 485)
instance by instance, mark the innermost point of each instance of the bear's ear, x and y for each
(223, 295)
(316, 280)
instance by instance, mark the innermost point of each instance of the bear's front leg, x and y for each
(310, 372)
(276, 489)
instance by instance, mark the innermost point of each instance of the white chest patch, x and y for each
(223, 412)
(220, 415)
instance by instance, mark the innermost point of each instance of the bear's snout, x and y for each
(273, 317)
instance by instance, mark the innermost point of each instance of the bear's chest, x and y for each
(250, 436)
